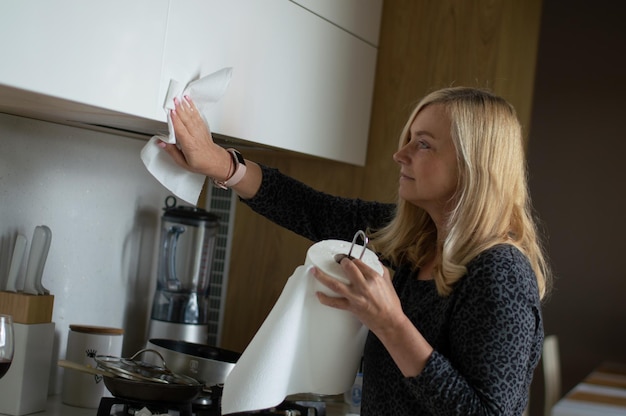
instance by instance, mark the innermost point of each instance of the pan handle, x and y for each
(84, 368)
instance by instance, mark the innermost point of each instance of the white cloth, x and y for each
(303, 346)
(182, 183)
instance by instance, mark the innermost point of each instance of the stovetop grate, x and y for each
(114, 406)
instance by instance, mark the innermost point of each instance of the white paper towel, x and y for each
(303, 346)
(182, 183)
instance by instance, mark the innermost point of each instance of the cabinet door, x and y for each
(299, 82)
(106, 54)
(359, 17)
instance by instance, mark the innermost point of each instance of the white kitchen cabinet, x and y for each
(100, 53)
(300, 81)
(359, 17)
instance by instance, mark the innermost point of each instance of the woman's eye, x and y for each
(421, 144)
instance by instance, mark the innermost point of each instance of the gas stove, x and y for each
(114, 406)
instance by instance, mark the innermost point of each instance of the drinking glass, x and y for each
(6, 343)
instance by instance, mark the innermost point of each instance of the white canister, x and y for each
(84, 343)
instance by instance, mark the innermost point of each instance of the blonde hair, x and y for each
(491, 204)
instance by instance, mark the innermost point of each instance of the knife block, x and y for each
(27, 309)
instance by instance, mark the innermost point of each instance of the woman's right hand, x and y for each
(195, 149)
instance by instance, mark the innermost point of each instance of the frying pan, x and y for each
(207, 364)
(141, 390)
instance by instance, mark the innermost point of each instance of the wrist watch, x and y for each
(240, 170)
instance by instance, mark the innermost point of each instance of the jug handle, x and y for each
(170, 251)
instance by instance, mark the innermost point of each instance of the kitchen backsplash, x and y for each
(103, 208)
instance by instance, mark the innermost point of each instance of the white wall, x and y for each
(104, 210)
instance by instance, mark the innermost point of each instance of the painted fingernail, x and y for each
(340, 257)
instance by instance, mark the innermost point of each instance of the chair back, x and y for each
(551, 373)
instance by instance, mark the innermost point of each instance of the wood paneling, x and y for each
(424, 45)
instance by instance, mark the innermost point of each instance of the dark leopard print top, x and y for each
(487, 335)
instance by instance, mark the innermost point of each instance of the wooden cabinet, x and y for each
(300, 82)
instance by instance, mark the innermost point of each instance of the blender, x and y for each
(180, 308)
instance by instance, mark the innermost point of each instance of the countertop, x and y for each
(55, 407)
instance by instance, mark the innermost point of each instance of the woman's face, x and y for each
(428, 165)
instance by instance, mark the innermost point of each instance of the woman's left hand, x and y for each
(370, 296)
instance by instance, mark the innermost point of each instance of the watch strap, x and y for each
(240, 170)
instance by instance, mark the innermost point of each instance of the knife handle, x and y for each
(36, 259)
(19, 249)
(47, 240)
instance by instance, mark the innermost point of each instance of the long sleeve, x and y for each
(312, 214)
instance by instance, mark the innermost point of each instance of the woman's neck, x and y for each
(427, 272)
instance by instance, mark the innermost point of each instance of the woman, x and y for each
(458, 329)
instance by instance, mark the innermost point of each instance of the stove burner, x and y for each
(115, 406)
(130, 407)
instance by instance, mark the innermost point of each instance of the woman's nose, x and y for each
(399, 156)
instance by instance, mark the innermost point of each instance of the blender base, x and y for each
(195, 333)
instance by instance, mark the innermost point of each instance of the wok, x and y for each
(150, 391)
(207, 364)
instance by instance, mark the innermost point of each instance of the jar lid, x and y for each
(184, 212)
(96, 330)
(191, 213)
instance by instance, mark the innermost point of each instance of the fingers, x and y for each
(188, 122)
(185, 107)
(355, 271)
(177, 116)
(332, 301)
(367, 272)
(330, 282)
(181, 115)
(186, 113)
(175, 153)
(348, 295)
